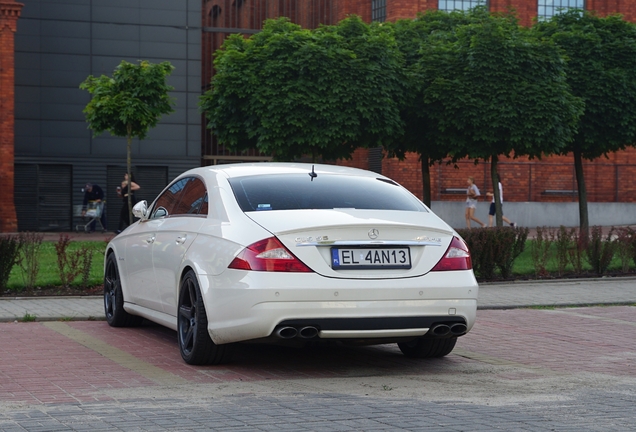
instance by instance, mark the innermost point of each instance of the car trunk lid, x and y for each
(360, 244)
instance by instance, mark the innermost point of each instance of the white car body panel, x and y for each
(244, 305)
(155, 316)
(296, 228)
(138, 270)
(173, 238)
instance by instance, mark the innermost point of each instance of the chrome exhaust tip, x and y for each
(286, 332)
(458, 329)
(308, 332)
(440, 330)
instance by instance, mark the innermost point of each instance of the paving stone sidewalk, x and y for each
(571, 292)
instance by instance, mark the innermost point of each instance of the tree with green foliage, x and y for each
(491, 88)
(601, 70)
(411, 35)
(289, 92)
(129, 103)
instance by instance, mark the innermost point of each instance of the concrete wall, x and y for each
(534, 214)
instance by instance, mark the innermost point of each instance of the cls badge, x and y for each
(373, 234)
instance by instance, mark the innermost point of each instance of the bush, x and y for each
(72, 263)
(563, 241)
(28, 261)
(86, 259)
(9, 252)
(512, 241)
(578, 245)
(599, 251)
(540, 249)
(494, 248)
(625, 239)
(482, 251)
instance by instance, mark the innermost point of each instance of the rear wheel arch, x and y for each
(195, 343)
(185, 271)
(182, 275)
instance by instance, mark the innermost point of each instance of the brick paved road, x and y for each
(528, 369)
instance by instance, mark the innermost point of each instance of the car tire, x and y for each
(195, 344)
(427, 347)
(116, 316)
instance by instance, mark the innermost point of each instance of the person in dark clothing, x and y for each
(93, 193)
(123, 191)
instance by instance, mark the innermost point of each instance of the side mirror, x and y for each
(140, 210)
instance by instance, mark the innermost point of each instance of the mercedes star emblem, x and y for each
(373, 234)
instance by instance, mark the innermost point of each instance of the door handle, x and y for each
(181, 239)
(150, 240)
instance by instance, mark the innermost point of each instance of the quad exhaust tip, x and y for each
(458, 329)
(288, 332)
(440, 330)
(444, 330)
(308, 332)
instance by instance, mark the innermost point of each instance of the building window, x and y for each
(378, 10)
(549, 8)
(451, 5)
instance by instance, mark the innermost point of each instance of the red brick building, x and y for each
(45, 144)
(9, 13)
(550, 179)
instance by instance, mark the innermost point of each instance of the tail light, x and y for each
(268, 255)
(457, 257)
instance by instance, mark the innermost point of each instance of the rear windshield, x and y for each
(299, 192)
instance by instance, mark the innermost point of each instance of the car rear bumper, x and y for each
(246, 305)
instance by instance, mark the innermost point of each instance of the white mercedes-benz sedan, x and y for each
(283, 252)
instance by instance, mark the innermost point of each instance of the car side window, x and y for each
(193, 199)
(204, 205)
(169, 199)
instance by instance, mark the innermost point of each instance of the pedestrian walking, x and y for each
(472, 194)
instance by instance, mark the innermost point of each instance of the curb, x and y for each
(53, 297)
(564, 280)
(556, 305)
(19, 320)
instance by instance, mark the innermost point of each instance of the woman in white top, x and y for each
(472, 193)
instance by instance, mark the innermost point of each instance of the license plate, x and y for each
(371, 258)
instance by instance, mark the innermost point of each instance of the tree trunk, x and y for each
(495, 190)
(128, 170)
(584, 224)
(426, 180)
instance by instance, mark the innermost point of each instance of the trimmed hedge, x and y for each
(494, 248)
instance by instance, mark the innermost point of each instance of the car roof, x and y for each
(266, 168)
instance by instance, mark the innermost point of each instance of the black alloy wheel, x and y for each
(195, 344)
(116, 316)
(427, 347)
